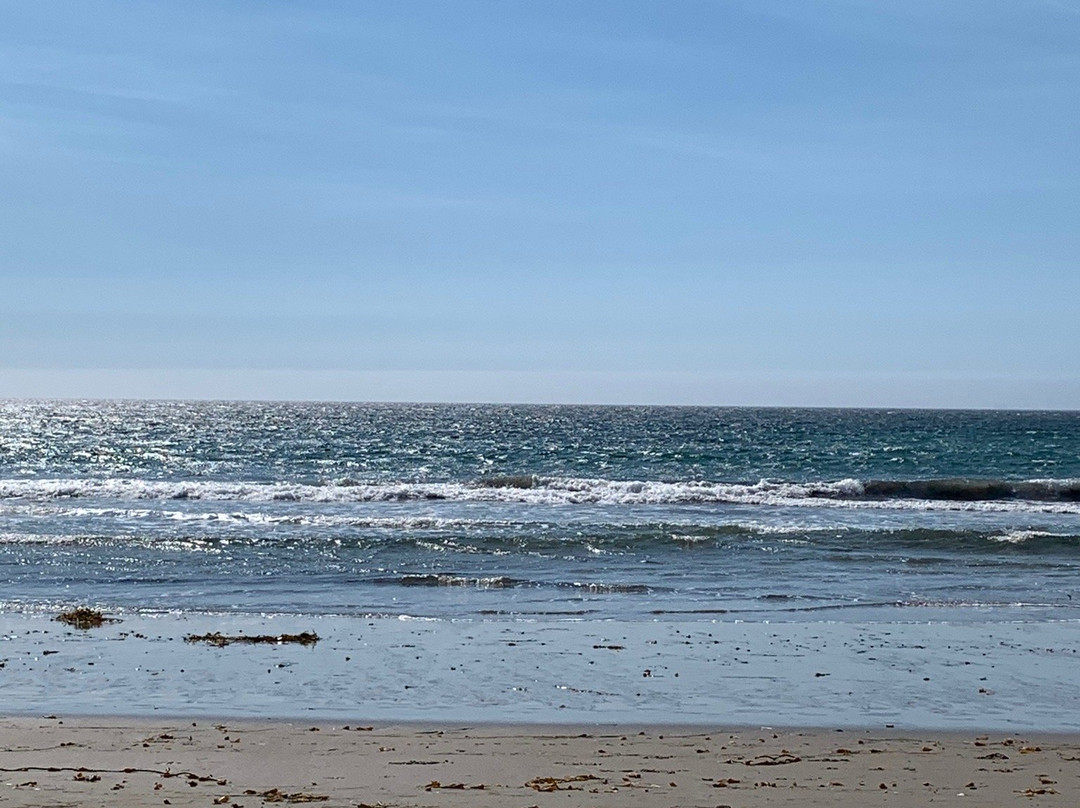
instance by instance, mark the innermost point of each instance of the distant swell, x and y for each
(1057, 495)
(975, 490)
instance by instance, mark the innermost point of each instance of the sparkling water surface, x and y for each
(539, 512)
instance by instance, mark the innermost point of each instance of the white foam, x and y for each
(1021, 536)
(547, 491)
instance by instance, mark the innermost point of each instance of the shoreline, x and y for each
(998, 677)
(517, 725)
(127, 762)
(525, 726)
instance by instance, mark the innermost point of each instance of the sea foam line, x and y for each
(1046, 496)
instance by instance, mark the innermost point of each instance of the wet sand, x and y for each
(1007, 677)
(59, 760)
(988, 693)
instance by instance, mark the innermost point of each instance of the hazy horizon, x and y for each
(778, 395)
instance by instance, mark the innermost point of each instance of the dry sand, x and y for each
(60, 761)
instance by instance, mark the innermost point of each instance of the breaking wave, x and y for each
(966, 490)
(1046, 495)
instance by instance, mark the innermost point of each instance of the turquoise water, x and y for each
(494, 512)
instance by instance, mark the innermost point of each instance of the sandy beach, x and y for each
(58, 760)
(904, 714)
(407, 713)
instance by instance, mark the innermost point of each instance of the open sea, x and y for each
(554, 521)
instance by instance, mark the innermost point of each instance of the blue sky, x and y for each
(845, 203)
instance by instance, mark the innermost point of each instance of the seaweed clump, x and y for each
(277, 795)
(84, 618)
(219, 640)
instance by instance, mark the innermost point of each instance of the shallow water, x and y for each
(697, 671)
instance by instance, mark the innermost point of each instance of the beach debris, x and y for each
(84, 618)
(634, 780)
(558, 783)
(773, 760)
(277, 795)
(724, 783)
(219, 640)
(81, 773)
(193, 778)
(435, 784)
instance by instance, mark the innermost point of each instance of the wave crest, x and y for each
(1061, 496)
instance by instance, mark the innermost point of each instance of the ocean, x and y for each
(391, 528)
